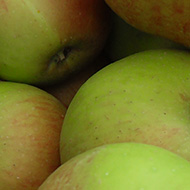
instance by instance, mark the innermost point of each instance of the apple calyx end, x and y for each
(59, 57)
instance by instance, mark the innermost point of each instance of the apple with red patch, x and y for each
(44, 41)
(30, 121)
(166, 18)
(125, 40)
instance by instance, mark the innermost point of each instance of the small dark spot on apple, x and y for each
(66, 51)
(107, 117)
(164, 113)
(96, 138)
(184, 97)
(120, 131)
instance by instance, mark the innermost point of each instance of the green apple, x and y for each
(65, 90)
(144, 98)
(44, 41)
(167, 18)
(30, 126)
(124, 166)
(125, 40)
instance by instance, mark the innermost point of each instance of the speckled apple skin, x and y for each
(30, 125)
(142, 98)
(122, 166)
(168, 18)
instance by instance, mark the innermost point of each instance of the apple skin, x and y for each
(125, 40)
(30, 121)
(167, 18)
(65, 90)
(122, 166)
(44, 41)
(142, 98)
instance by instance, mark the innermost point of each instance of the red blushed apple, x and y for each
(66, 90)
(45, 41)
(167, 18)
(30, 124)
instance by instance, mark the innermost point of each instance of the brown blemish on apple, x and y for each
(3, 5)
(184, 97)
(107, 117)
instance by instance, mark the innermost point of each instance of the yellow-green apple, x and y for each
(65, 90)
(144, 98)
(122, 166)
(125, 40)
(167, 18)
(30, 121)
(43, 41)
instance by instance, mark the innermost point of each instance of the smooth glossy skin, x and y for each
(44, 41)
(142, 98)
(30, 125)
(167, 18)
(125, 166)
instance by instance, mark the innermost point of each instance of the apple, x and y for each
(122, 166)
(166, 18)
(44, 41)
(125, 40)
(65, 90)
(142, 98)
(31, 121)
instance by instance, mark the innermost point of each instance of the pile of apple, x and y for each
(94, 95)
